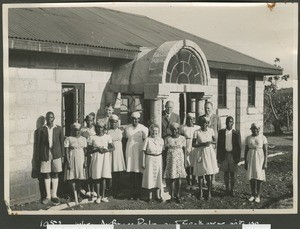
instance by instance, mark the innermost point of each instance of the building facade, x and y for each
(87, 60)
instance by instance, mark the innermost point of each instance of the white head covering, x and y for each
(136, 114)
(76, 126)
(114, 117)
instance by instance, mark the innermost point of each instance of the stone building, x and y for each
(72, 61)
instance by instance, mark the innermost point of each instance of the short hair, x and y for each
(110, 105)
(208, 102)
(202, 120)
(229, 117)
(49, 113)
(152, 126)
(169, 102)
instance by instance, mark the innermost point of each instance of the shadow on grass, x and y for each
(275, 200)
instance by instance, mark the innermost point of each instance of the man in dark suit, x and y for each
(168, 117)
(50, 143)
(229, 153)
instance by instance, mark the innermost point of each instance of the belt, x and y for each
(229, 151)
(151, 154)
(255, 148)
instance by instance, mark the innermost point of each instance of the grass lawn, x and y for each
(277, 191)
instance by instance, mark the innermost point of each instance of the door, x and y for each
(72, 105)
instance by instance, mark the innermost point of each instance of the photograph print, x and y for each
(138, 108)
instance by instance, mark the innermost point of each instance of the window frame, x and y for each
(222, 78)
(251, 91)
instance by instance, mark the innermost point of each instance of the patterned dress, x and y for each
(255, 157)
(175, 158)
(118, 163)
(134, 147)
(205, 161)
(76, 152)
(188, 133)
(100, 163)
(152, 176)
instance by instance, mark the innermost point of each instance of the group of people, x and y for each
(94, 155)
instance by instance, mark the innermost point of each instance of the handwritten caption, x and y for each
(142, 221)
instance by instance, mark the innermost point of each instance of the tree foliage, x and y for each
(278, 107)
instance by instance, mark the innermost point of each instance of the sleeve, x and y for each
(183, 141)
(218, 123)
(62, 137)
(264, 140)
(145, 146)
(109, 139)
(66, 143)
(195, 134)
(145, 132)
(84, 142)
(212, 132)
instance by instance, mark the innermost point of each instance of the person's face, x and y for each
(114, 124)
(229, 124)
(99, 130)
(76, 132)
(154, 132)
(204, 125)
(89, 122)
(255, 131)
(174, 130)
(169, 108)
(190, 121)
(135, 121)
(109, 111)
(50, 118)
(208, 109)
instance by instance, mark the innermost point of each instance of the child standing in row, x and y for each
(187, 131)
(87, 132)
(100, 168)
(152, 163)
(118, 163)
(175, 146)
(75, 147)
(205, 161)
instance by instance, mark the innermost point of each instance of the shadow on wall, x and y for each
(35, 162)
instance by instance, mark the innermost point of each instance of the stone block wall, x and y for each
(32, 93)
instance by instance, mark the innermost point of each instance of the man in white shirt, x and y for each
(229, 153)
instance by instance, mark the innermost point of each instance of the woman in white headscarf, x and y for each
(136, 133)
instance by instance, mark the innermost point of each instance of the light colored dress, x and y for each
(118, 163)
(205, 161)
(134, 147)
(152, 176)
(77, 170)
(100, 163)
(255, 157)
(87, 133)
(188, 133)
(175, 158)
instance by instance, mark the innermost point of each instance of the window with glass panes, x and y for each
(222, 97)
(251, 91)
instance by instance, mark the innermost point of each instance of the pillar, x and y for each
(156, 111)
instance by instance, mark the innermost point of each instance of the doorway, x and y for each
(72, 105)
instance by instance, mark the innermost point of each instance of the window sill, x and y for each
(222, 111)
(252, 110)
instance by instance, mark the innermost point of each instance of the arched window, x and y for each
(184, 68)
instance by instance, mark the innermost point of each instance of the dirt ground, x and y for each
(277, 191)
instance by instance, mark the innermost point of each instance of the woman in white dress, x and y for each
(135, 133)
(256, 153)
(152, 163)
(118, 163)
(205, 161)
(100, 168)
(187, 131)
(75, 147)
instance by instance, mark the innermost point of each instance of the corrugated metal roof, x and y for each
(100, 27)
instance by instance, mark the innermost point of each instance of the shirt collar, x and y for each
(229, 130)
(54, 125)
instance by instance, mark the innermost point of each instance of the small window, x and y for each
(222, 98)
(251, 91)
(130, 103)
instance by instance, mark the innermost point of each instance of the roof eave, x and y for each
(245, 68)
(74, 49)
